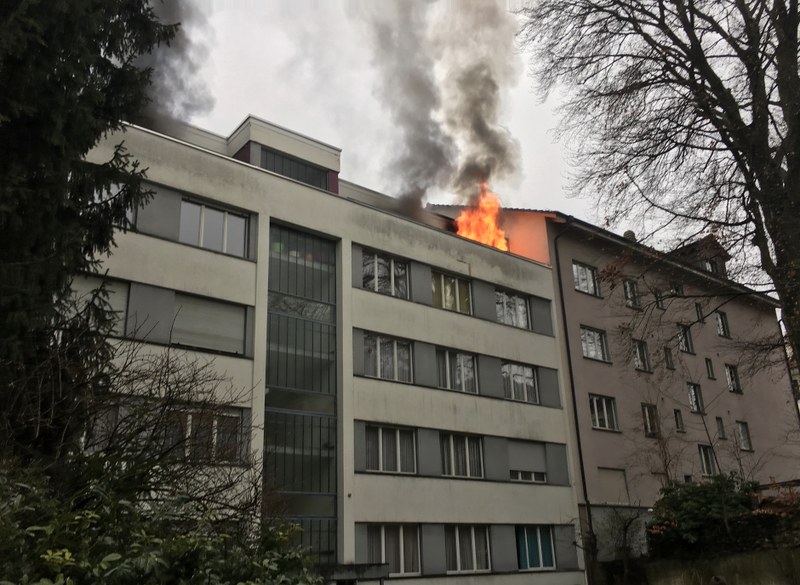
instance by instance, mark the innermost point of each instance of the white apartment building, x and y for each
(402, 385)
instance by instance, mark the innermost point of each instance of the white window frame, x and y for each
(708, 465)
(696, 403)
(507, 370)
(743, 436)
(528, 476)
(398, 449)
(450, 439)
(685, 342)
(732, 377)
(608, 404)
(631, 291)
(650, 419)
(226, 213)
(378, 339)
(538, 529)
(457, 529)
(599, 342)
(183, 451)
(723, 327)
(641, 355)
(461, 283)
(585, 278)
(450, 377)
(402, 528)
(519, 300)
(392, 276)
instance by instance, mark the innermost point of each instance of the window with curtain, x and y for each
(390, 449)
(467, 548)
(384, 274)
(462, 455)
(535, 551)
(387, 358)
(519, 382)
(451, 293)
(512, 309)
(456, 370)
(396, 545)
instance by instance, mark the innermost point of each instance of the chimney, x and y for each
(629, 235)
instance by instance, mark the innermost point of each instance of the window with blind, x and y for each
(396, 545)
(527, 461)
(462, 455)
(390, 450)
(209, 324)
(466, 548)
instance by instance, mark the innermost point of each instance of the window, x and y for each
(710, 369)
(387, 358)
(396, 545)
(723, 330)
(695, 397)
(707, 463)
(462, 455)
(451, 293)
(676, 289)
(732, 375)
(658, 294)
(669, 363)
(585, 278)
(743, 434)
(391, 450)
(641, 356)
(512, 309)
(294, 168)
(532, 476)
(631, 290)
(604, 412)
(519, 382)
(650, 418)
(721, 428)
(384, 274)
(456, 371)
(685, 338)
(711, 265)
(208, 324)
(205, 435)
(679, 421)
(594, 344)
(698, 309)
(213, 229)
(466, 548)
(535, 548)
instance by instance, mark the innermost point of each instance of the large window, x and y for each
(205, 435)
(396, 545)
(707, 462)
(213, 229)
(585, 278)
(631, 290)
(466, 548)
(519, 382)
(743, 434)
(685, 342)
(387, 358)
(385, 274)
(451, 293)
(391, 449)
(462, 455)
(604, 412)
(732, 376)
(641, 355)
(512, 309)
(696, 403)
(650, 419)
(535, 548)
(294, 168)
(456, 371)
(723, 329)
(594, 343)
(208, 324)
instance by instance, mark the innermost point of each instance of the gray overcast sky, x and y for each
(307, 65)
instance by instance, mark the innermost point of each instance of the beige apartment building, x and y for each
(403, 386)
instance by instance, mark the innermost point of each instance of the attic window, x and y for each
(294, 168)
(711, 265)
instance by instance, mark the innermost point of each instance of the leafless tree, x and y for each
(688, 111)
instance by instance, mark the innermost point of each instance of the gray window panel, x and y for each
(319, 535)
(249, 334)
(421, 283)
(190, 223)
(357, 267)
(541, 315)
(496, 458)
(236, 236)
(526, 456)
(294, 168)
(358, 352)
(359, 446)
(301, 354)
(209, 324)
(490, 381)
(300, 400)
(425, 369)
(433, 549)
(566, 552)
(162, 215)
(549, 394)
(362, 543)
(150, 313)
(504, 548)
(557, 468)
(213, 229)
(428, 452)
(483, 301)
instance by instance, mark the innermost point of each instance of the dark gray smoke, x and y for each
(444, 68)
(177, 91)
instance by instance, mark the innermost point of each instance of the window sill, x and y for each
(688, 351)
(537, 570)
(409, 382)
(700, 412)
(617, 431)
(586, 357)
(382, 472)
(739, 392)
(643, 371)
(470, 572)
(747, 450)
(724, 336)
(588, 294)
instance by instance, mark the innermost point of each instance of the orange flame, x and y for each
(479, 223)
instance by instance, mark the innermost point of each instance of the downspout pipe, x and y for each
(574, 398)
